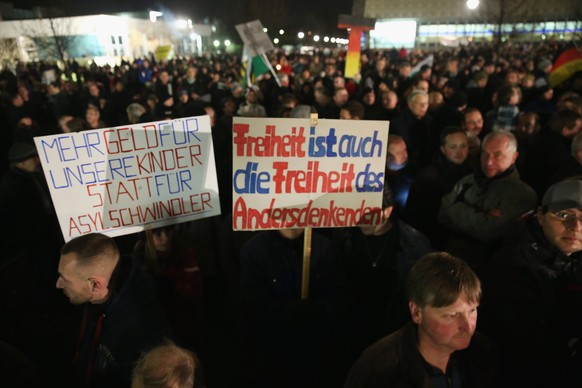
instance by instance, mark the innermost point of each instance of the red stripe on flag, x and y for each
(565, 57)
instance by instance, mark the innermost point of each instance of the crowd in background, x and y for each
(440, 114)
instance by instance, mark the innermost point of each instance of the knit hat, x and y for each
(563, 195)
(19, 152)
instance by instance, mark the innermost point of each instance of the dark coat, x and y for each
(544, 157)
(425, 195)
(532, 307)
(271, 271)
(113, 335)
(293, 339)
(395, 361)
(466, 211)
(418, 135)
(30, 226)
(375, 269)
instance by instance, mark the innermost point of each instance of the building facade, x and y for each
(409, 23)
(103, 38)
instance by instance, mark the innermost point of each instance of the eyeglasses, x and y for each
(568, 219)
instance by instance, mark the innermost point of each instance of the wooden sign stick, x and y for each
(307, 243)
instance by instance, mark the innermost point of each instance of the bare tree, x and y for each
(503, 12)
(8, 53)
(52, 35)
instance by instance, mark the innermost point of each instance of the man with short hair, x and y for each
(164, 91)
(472, 121)
(527, 133)
(414, 125)
(194, 84)
(122, 316)
(434, 181)
(551, 149)
(485, 206)
(440, 347)
(399, 171)
(340, 98)
(352, 110)
(533, 308)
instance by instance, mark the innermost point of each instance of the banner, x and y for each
(163, 53)
(288, 173)
(122, 180)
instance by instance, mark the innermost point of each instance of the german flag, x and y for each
(567, 63)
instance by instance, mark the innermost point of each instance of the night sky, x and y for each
(302, 14)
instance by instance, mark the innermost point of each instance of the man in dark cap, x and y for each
(533, 303)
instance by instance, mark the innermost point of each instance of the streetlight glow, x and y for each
(216, 43)
(154, 15)
(300, 35)
(326, 39)
(227, 43)
(281, 31)
(316, 38)
(265, 29)
(181, 23)
(276, 40)
(472, 4)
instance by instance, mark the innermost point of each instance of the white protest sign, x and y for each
(289, 174)
(122, 180)
(255, 40)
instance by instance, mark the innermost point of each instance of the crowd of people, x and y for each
(484, 163)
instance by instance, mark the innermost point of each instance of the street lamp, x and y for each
(300, 35)
(154, 15)
(281, 32)
(316, 38)
(472, 4)
(216, 43)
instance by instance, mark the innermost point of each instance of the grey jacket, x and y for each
(467, 207)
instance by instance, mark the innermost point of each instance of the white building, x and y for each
(103, 38)
(408, 23)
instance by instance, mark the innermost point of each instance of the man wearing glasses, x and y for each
(532, 303)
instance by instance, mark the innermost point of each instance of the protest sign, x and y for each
(288, 173)
(255, 39)
(122, 180)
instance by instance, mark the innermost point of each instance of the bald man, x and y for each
(122, 317)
